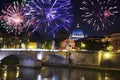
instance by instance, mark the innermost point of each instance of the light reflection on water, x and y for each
(52, 73)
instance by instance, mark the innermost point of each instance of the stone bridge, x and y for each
(33, 57)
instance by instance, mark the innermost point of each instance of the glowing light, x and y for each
(40, 56)
(83, 45)
(106, 76)
(82, 78)
(100, 56)
(99, 13)
(17, 73)
(50, 15)
(110, 48)
(53, 44)
(39, 77)
(118, 50)
(31, 45)
(107, 55)
(107, 13)
(54, 77)
(5, 73)
(23, 45)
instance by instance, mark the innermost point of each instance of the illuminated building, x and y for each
(91, 43)
(114, 40)
(77, 33)
(71, 43)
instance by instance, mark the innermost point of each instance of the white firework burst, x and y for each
(99, 13)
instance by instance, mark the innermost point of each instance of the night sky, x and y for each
(87, 29)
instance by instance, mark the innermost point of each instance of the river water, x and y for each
(52, 73)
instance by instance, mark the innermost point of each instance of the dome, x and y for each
(77, 34)
(77, 31)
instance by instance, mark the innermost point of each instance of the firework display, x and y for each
(50, 15)
(99, 13)
(14, 19)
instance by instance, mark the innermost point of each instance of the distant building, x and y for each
(114, 40)
(62, 41)
(91, 43)
(67, 43)
(77, 33)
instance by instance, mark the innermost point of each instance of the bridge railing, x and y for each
(45, 50)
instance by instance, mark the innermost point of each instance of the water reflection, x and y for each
(17, 72)
(52, 73)
(5, 73)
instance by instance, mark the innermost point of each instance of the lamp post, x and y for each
(19, 45)
(53, 45)
(68, 51)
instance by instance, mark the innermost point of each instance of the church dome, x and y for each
(77, 31)
(77, 34)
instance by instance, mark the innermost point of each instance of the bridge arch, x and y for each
(10, 60)
(27, 59)
(56, 58)
(17, 53)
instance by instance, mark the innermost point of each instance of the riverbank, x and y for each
(82, 66)
(72, 66)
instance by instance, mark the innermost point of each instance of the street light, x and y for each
(68, 47)
(83, 45)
